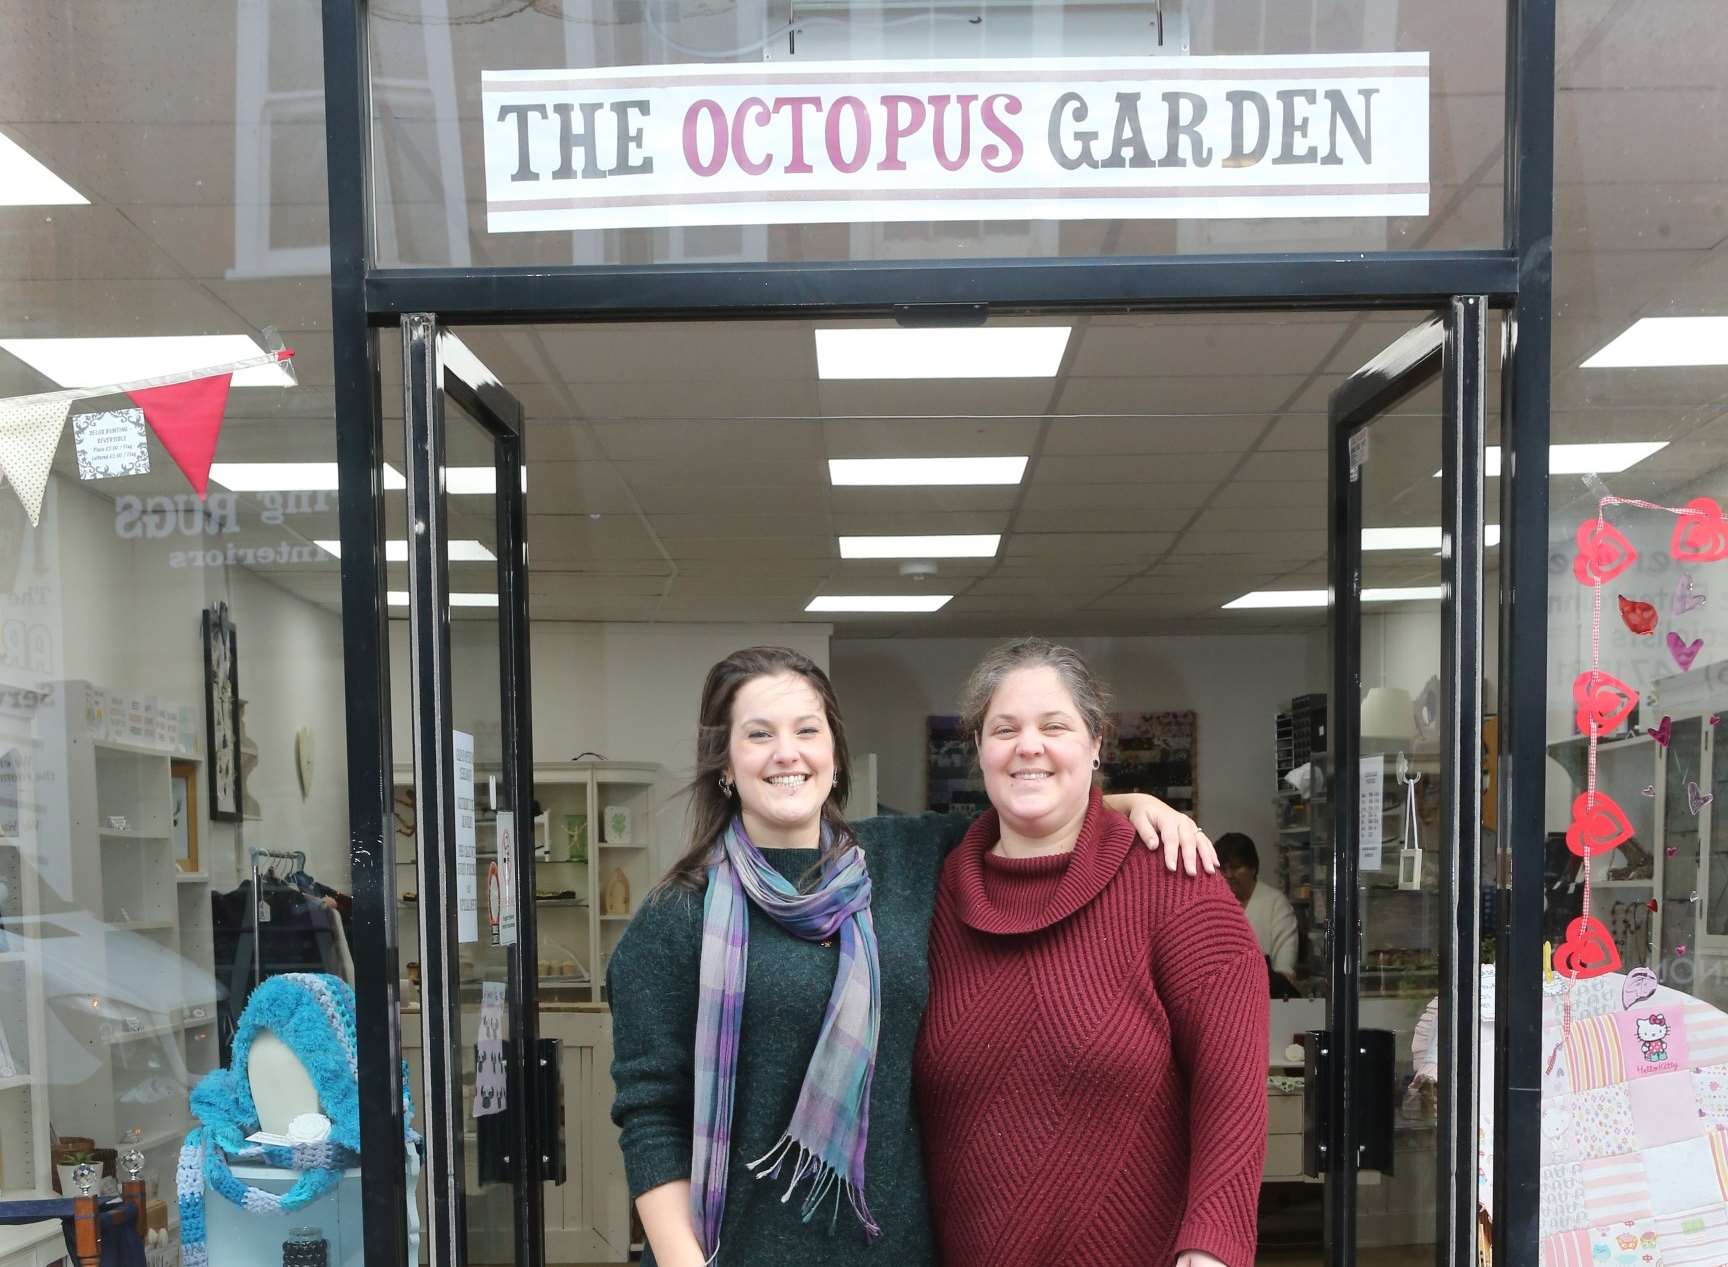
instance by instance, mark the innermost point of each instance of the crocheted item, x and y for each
(313, 1015)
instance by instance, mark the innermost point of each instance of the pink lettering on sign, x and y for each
(860, 135)
(999, 127)
(717, 133)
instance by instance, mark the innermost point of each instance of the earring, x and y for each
(725, 786)
(1097, 763)
(836, 778)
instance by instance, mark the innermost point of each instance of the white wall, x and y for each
(132, 622)
(627, 691)
(888, 687)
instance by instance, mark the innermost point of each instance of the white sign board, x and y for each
(491, 1083)
(1371, 812)
(467, 890)
(972, 139)
(111, 443)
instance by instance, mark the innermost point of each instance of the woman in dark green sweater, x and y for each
(804, 1078)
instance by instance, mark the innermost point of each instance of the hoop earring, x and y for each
(1097, 763)
(726, 786)
(836, 778)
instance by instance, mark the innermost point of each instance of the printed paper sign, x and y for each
(1371, 812)
(506, 878)
(974, 139)
(112, 443)
(467, 888)
(491, 1084)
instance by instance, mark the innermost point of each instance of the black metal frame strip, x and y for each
(435, 783)
(365, 637)
(1463, 421)
(1407, 364)
(1526, 387)
(500, 414)
(1408, 279)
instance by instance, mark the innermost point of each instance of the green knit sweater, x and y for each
(652, 983)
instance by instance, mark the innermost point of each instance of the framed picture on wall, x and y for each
(222, 714)
(184, 824)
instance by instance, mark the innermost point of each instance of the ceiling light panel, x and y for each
(25, 182)
(466, 551)
(948, 546)
(1427, 537)
(1582, 459)
(98, 362)
(287, 477)
(879, 603)
(399, 598)
(926, 471)
(987, 352)
(1655, 342)
(1317, 598)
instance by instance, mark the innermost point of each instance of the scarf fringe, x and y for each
(824, 1178)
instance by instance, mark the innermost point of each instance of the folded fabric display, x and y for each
(313, 1015)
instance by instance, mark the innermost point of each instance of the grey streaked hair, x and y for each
(1091, 697)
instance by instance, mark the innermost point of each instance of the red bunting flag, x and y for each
(187, 419)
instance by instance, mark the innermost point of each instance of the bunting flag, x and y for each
(187, 419)
(184, 409)
(29, 433)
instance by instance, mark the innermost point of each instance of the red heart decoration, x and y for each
(1640, 618)
(1701, 537)
(1603, 700)
(1597, 829)
(1588, 950)
(1603, 553)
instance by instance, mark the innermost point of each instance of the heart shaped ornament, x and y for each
(1597, 828)
(1604, 701)
(1663, 731)
(1696, 797)
(1603, 553)
(1639, 985)
(1702, 536)
(1588, 950)
(1686, 598)
(1684, 653)
(1640, 617)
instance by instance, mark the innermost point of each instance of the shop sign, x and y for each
(1015, 139)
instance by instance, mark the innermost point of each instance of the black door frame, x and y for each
(1451, 346)
(1516, 279)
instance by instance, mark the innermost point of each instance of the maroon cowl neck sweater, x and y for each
(1091, 1072)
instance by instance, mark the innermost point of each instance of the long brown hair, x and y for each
(712, 810)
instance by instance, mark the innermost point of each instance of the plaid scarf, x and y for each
(831, 1122)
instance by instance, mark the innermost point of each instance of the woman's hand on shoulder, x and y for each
(1162, 827)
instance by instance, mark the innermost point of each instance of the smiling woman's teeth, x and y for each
(1032, 774)
(788, 780)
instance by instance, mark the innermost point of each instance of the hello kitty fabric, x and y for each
(1634, 1128)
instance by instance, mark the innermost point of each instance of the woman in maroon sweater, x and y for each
(1091, 1072)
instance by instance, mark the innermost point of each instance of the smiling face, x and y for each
(781, 756)
(1036, 754)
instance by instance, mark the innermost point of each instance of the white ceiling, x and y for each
(677, 473)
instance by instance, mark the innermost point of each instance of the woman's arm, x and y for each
(669, 1225)
(1160, 826)
(1212, 980)
(652, 981)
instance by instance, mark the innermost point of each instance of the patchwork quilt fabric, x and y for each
(1634, 1129)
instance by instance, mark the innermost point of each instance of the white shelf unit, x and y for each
(127, 1053)
(575, 935)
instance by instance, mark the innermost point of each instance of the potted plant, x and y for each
(69, 1154)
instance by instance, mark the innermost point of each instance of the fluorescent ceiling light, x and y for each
(1317, 598)
(949, 546)
(287, 477)
(96, 362)
(475, 481)
(1582, 459)
(878, 471)
(397, 551)
(1423, 538)
(399, 598)
(987, 352)
(25, 182)
(1658, 341)
(459, 357)
(879, 603)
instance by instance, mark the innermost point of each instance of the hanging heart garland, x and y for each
(1701, 533)
(1603, 702)
(1588, 950)
(1603, 553)
(1598, 825)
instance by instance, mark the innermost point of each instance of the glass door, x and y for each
(473, 782)
(1394, 1080)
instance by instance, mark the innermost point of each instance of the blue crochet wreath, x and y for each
(313, 1015)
